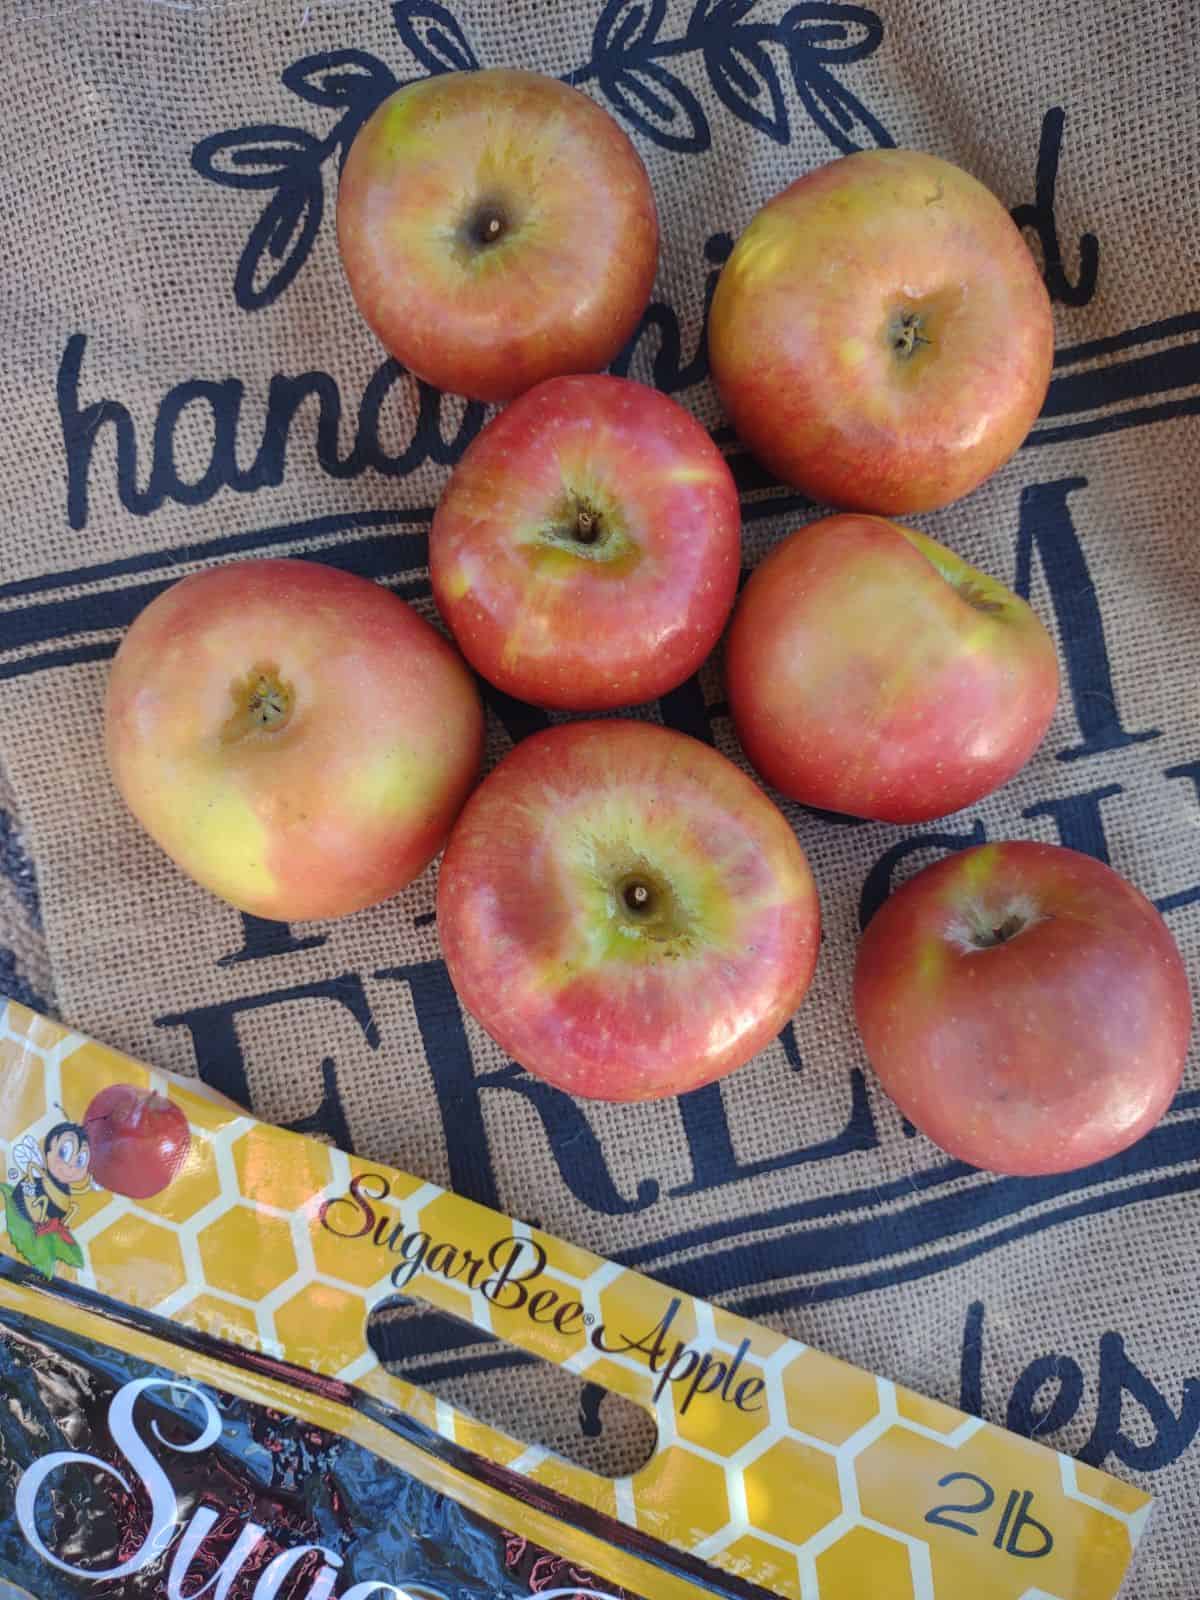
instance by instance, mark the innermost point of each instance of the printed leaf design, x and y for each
(827, 30)
(840, 115)
(655, 101)
(284, 234)
(434, 37)
(745, 80)
(340, 78)
(718, 14)
(260, 157)
(625, 25)
(287, 160)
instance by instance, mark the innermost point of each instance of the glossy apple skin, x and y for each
(543, 952)
(334, 808)
(871, 671)
(1049, 1051)
(139, 1140)
(808, 346)
(623, 617)
(562, 286)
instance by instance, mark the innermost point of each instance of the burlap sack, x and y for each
(184, 383)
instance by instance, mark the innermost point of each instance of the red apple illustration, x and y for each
(139, 1140)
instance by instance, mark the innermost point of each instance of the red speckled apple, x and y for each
(496, 228)
(1025, 1006)
(297, 739)
(881, 336)
(625, 912)
(871, 671)
(139, 1140)
(585, 553)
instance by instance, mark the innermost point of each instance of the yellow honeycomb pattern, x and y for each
(775, 1462)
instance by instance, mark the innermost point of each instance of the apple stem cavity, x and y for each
(580, 528)
(587, 526)
(986, 928)
(907, 336)
(647, 911)
(263, 703)
(268, 704)
(486, 224)
(1001, 933)
(637, 897)
(978, 598)
(969, 585)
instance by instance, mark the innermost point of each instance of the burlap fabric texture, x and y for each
(186, 380)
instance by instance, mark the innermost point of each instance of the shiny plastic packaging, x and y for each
(193, 1410)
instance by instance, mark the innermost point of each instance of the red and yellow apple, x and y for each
(625, 912)
(881, 336)
(496, 228)
(871, 671)
(297, 739)
(1025, 1007)
(586, 550)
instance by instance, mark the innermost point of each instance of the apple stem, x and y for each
(486, 223)
(978, 599)
(1001, 933)
(637, 896)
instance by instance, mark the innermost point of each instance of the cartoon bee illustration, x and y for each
(42, 1195)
